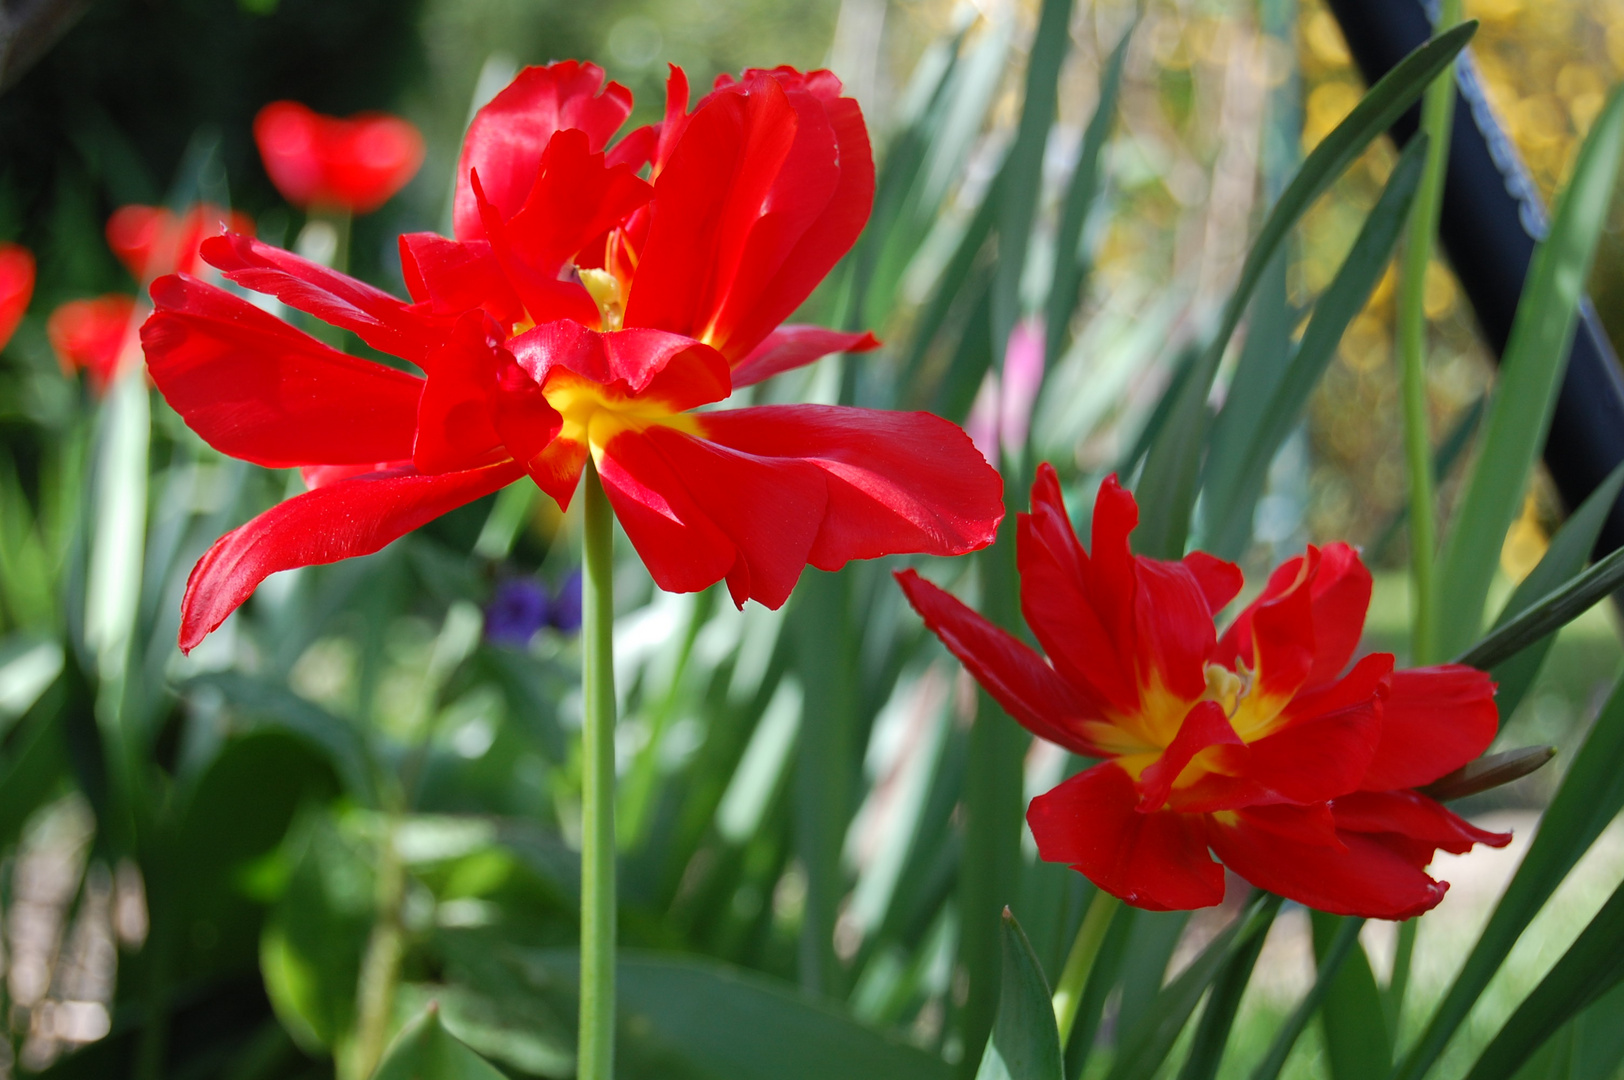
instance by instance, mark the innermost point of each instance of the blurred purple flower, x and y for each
(1002, 410)
(517, 611)
(565, 613)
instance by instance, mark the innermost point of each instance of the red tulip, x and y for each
(320, 161)
(90, 336)
(16, 287)
(152, 240)
(1256, 746)
(582, 311)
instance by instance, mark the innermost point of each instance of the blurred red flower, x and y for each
(16, 287)
(1255, 746)
(153, 240)
(319, 161)
(90, 336)
(582, 310)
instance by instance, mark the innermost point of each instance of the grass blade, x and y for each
(1530, 374)
(1168, 486)
(1218, 1017)
(1554, 611)
(1025, 1044)
(1233, 486)
(1347, 936)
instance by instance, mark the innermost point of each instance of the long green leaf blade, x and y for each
(1168, 487)
(1025, 1044)
(1530, 374)
(1234, 486)
(1554, 611)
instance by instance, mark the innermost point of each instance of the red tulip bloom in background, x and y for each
(1255, 746)
(16, 287)
(582, 310)
(319, 161)
(153, 240)
(91, 335)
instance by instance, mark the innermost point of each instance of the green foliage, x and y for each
(1025, 1044)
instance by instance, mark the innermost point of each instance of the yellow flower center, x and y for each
(594, 414)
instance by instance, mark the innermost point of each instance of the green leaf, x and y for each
(1020, 186)
(1331, 960)
(1071, 261)
(1167, 490)
(1218, 1016)
(1358, 1042)
(717, 1021)
(1591, 795)
(1025, 1044)
(264, 704)
(1148, 1043)
(1530, 374)
(1235, 481)
(1443, 460)
(424, 1050)
(1564, 558)
(1554, 610)
(1591, 967)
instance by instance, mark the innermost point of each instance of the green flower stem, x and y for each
(596, 1058)
(1437, 112)
(380, 966)
(1080, 961)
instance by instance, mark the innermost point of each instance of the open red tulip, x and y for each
(153, 240)
(90, 335)
(16, 287)
(1262, 746)
(319, 161)
(582, 310)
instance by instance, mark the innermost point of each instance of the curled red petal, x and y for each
(1157, 860)
(1414, 817)
(678, 372)
(506, 138)
(1173, 628)
(544, 295)
(255, 388)
(452, 277)
(1016, 677)
(1435, 720)
(576, 197)
(339, 520)
(898, 482)
(1220, 581)
(1054, 576)
(1359, 875)
(790, 347)
(377, 318)
(768, 508)
(455, 428)
(1204, 726)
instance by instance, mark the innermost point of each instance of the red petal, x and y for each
(898, 482)
(1157, 861)
(1054, 575)
(791, 347)
(706, 199)
(1435, 720)
(454, 415)
(648, 364)
(1220, 581)
(787, 260)
(575, 197)
(457, 276)
(1015, 676)
(16, 287)
(544, 295)
(1339, 596)
(368, 158)
(1415, 817)
(379, 319)
(1205, 725)
(255, 388)
(1174, 628)
(506, 138)
(337, 521)
(1363, 877)
(1112, 580)
(1321, 757)
(1283, 635)
(529, 427)
(769, 509)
